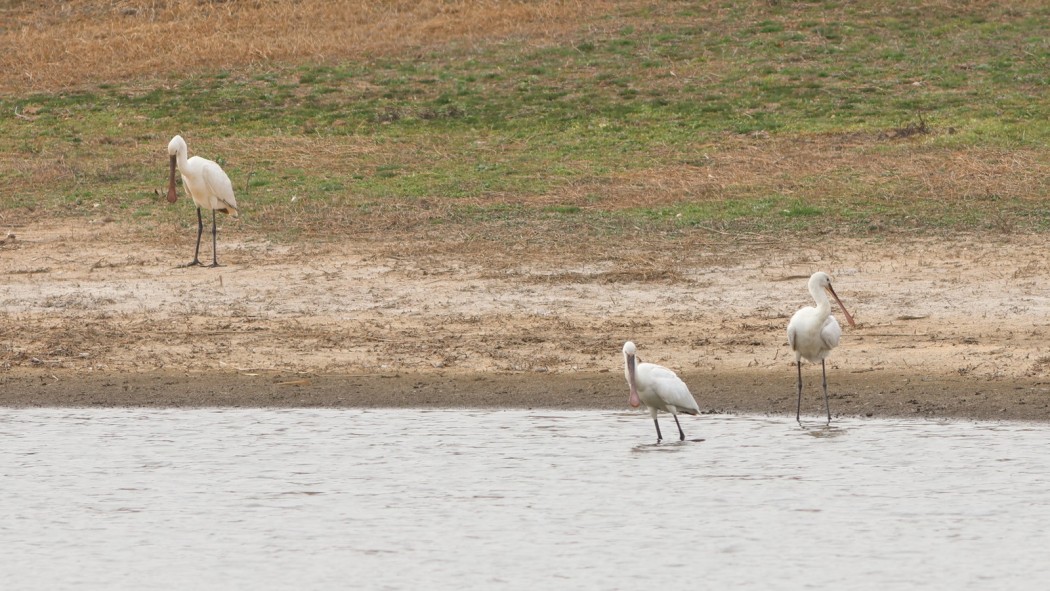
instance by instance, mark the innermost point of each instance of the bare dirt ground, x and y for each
(947, 327)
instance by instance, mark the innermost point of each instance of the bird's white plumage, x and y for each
(813, 345)
(661, 389)
(205, 181)
(657, 387)
(813, 332)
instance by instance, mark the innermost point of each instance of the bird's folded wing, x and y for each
(831, 333)
(220, 186)
(672, 389)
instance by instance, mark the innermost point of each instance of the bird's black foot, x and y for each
(213, 265)
(193, 263)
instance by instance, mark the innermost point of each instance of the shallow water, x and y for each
(394, 499)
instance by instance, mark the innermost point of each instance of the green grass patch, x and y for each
(506, 121)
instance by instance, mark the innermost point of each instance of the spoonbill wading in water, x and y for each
(209, 187)
(658, 388)
(814, 332)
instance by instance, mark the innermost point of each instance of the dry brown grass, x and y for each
(818, 167)
(55, 44)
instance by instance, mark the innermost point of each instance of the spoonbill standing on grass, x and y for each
(658, 388)
(209, 187)
(814, 332)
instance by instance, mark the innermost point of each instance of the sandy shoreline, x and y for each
(945, 327)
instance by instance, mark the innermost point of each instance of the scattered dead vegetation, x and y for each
(909, 130)
(631, 275)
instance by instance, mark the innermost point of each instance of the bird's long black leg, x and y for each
(200, 231)
(798, 409)
(826, 405)
(659, 435)
(681, 434)
(214, 241)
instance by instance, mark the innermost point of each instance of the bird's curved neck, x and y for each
(181, 156)
(821, 298)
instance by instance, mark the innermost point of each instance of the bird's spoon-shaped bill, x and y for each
(172, 196)
(845, 312)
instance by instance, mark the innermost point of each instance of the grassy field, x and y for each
(495, 118)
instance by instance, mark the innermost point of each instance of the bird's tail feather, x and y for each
(232, 210)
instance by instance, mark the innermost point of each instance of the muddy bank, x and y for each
(873, 394)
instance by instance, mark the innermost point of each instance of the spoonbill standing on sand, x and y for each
(658, 388)
(209, 187)
(814, 332)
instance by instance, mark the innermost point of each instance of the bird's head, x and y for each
(176, 144)
(820, 280)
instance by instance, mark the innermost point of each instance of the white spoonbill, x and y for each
(209, 187)
(658, 388)
(814, 332)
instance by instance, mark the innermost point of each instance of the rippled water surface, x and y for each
(394, 499)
